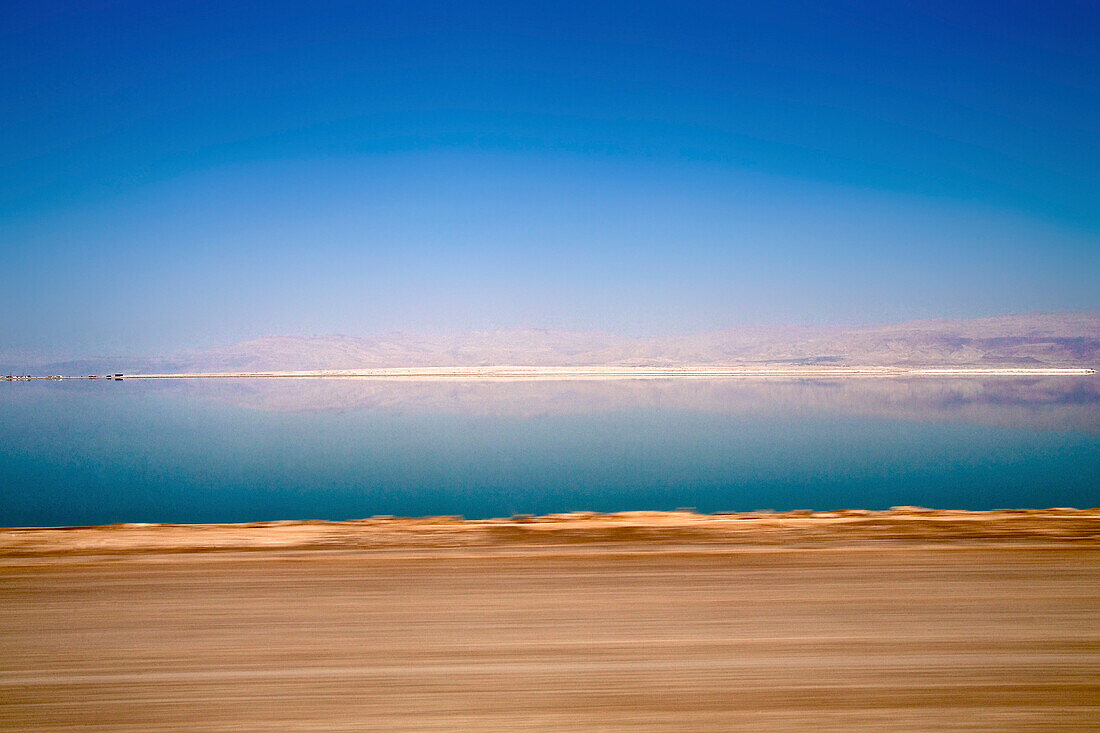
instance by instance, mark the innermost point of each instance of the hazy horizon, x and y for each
(67, 352)
(1037, 340)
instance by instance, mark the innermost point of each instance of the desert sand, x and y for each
(907, 620)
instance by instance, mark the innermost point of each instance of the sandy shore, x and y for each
(902, 620)
(637, 530)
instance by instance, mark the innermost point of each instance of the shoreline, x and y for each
(596, 372)
(652, 530)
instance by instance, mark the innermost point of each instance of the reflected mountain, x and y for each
(1047, 403)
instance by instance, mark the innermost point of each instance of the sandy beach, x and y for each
(908, 619)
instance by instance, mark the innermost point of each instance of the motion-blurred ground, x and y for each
(639, 622)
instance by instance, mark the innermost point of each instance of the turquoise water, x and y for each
(77, 453)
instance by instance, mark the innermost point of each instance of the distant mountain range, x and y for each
(1062, 339)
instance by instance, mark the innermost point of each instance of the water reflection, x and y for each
(241, 450)
(1047, 403)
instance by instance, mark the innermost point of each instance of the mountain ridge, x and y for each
(1037, 339)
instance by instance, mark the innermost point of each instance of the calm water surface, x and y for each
(77, 453)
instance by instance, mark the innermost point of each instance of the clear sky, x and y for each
(181, 174)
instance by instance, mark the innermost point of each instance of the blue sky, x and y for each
(174, 175)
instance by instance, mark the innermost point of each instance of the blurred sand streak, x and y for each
(637, 531)
(908, 620)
